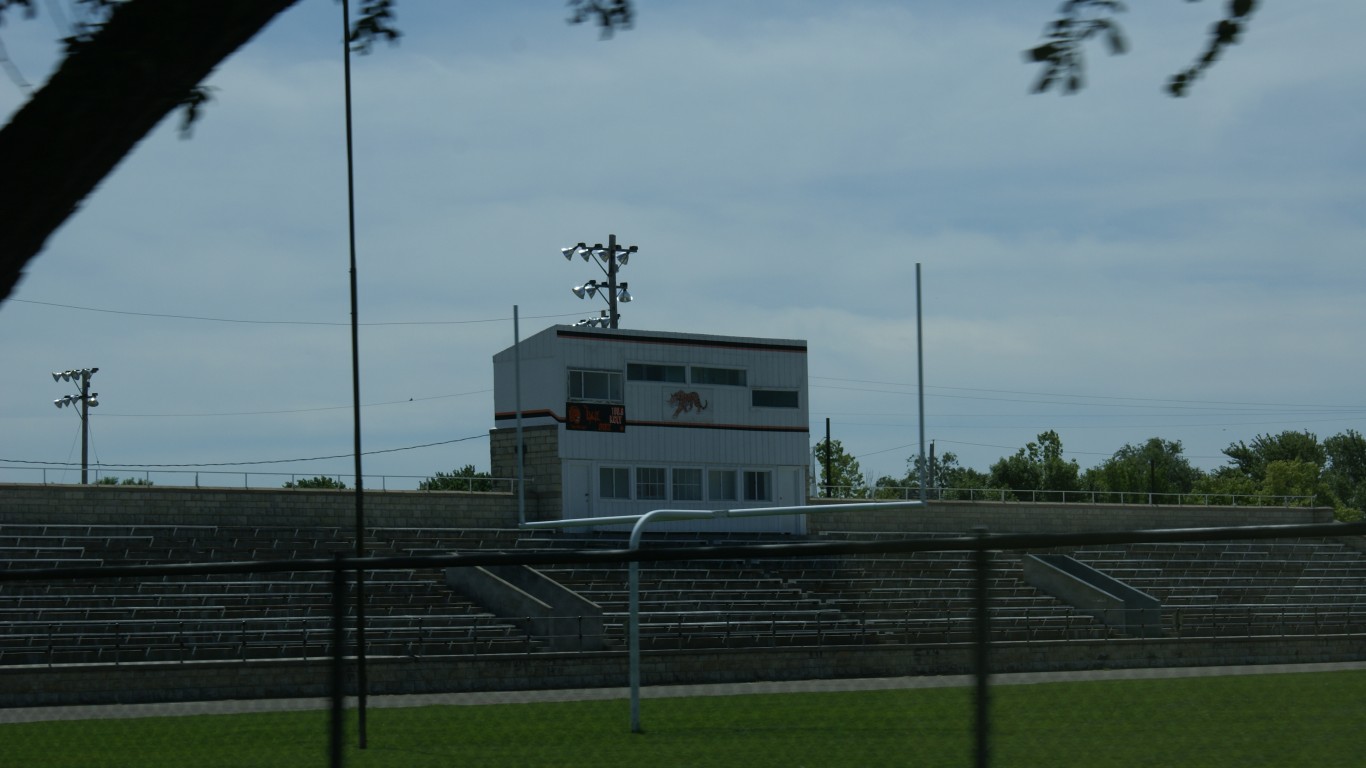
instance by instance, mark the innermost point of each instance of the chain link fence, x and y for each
(96, 629)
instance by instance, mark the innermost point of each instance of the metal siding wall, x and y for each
(547, 356)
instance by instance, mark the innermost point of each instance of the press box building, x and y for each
(620, 422)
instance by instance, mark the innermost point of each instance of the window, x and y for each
(595, 385)
(687, 484)
(728, 377)
(651, 372)
(650, 483)
(614, 483)
(758, 486)
(774, 398)
(721, 485)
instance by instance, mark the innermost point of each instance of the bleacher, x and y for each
(925, 598)
(239, 617)
(1222, 589)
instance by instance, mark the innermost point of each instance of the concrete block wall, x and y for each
(1020, 517)
(151, 505)
(206, 681)
(542, 466)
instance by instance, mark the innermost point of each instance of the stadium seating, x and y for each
(1207, 590)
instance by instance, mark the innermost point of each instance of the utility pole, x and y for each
(87, 401)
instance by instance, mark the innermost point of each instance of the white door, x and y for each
(578, 490)
(789, 484)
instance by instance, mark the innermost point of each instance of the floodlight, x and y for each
(57, 403)
(91, 401)
(56, 375)
(569, 252)
(622, 294)
(623, 257)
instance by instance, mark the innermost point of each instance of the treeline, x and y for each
(1286, 468)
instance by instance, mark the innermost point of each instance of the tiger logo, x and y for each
(685, 402)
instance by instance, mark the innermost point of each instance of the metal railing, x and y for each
(1065, 497)
(180, 478)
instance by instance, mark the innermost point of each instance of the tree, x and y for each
(121, 77)
(1039, 466)
(117, 82)
(1252, 460)
(1156, 467)
(463, 479)
(840, 475)
(321, 481)
(946, 478)
(1081, 20)
(1345, 476)
(125, 481)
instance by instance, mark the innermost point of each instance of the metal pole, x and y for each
(338, 730)
(829, 477)
(85, 427)
(982, 649)
(633, 640)
(612, 280)
(920, 373)
(361, 682)
(517, 384)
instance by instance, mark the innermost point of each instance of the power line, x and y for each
(288, 411)
(243, 463)
(1136, 402)
(202, 318)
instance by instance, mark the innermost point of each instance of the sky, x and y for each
(1114, 265)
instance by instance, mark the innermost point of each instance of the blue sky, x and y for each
(1114, 265)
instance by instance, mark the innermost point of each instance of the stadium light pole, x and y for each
(609, 259)
(88, 400)
(362, 679)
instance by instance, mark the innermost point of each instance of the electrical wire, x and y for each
(287, 411)
(201, 318)
(242, 463)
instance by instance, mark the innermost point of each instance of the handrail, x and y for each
(665, 515)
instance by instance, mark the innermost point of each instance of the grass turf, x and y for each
(1238, 722)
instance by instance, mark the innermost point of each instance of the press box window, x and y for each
(687, 485)
(721, 485)
(726, 377)
(614, 483)
(758, 486)
(651, 372)
(774, 398)
(650, 483)
(595, 385)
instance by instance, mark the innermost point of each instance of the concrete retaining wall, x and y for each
(143, 505)
(199, 681)
(1025, 517)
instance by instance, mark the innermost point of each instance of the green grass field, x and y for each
(1234, 722)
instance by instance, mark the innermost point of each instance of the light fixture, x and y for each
(610, 258)
(87, 400)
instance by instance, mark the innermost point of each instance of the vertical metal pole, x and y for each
(85, 428)
(982, 650)
(517, 384)
(920, 374)
(633, 585)
(934, 482)
(338, 729)
(829, 477)
(361, 682)
(612, 280)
